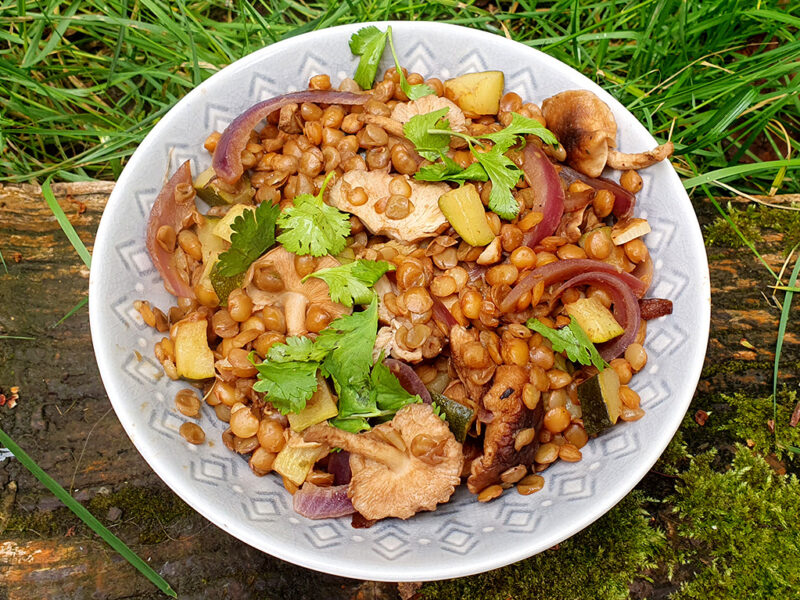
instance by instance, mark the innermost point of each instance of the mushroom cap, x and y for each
(403, 111)
(510, 417)
(408, 486)
(425, 220)
(474, 380)
(585, 126)
(296, 294)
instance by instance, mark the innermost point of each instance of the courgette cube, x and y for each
(464, 209)
(223, 228)
(320, 407)
(600, 401)
(297, 459)
(595, 319)
(216, 192)
(193, 357)
(459, 416)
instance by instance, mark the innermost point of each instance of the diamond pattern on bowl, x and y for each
(518, 517)
(392, 545)
(461, 536)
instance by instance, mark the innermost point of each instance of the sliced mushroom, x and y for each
(474, 380)
(423, 220)
(405, 110)
(400, 468)
(512, 425)
(292, 294)
(585, 126)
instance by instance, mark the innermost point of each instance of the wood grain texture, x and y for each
(64, 421)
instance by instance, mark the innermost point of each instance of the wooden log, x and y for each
(64, 421)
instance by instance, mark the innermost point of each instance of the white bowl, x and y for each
(462, 537)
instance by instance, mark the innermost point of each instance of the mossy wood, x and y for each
(63, 419)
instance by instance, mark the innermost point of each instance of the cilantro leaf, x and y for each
(414, 92)
(351, 283)
(288, 385)
(368, 43)
(450, 170)
(313, 227)
(520, 126)
(297, 348)
(390, 395)
(429, 145)
(504, 175)
(253, 234)
(572, 340)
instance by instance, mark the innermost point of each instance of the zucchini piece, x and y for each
(464, 209)
(595, 319)
(222, 285)
(459, 416)
(477, 93)
(320, 407)
(223, 227)
(600, 401)
(216, 192)
(193, 357)
(297, 459)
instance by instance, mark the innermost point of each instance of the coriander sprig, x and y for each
(431, 133)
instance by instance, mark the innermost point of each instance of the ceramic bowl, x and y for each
(462, 537)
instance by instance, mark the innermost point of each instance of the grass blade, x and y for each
(710, 176)
(66, 226)
(16, 337)
(71, 312)
(85, 516)
(3, 261)
(787, 305)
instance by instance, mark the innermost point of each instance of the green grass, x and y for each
(85, 81)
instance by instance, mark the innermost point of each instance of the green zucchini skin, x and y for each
(600, 402)
(459, 417)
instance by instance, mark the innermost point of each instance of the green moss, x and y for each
(751, 221)
(675, 457)
(737, 529)
(151, 510)
(598, 563)
(750, 422)
(734, 366)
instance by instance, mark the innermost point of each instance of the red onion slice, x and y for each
(443, 316)
(315, 502)
(339, 467)
(408, 378)
(626, 308)
(543, 179)
(227, 160)
(564, 269)
(624, 201)
(166, 211)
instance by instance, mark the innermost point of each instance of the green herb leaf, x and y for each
(390, 395)
(573, 340)
(351, 283)
(429, 145)
(253, 234)
(450, 170)
(368, 43)
(414, 92)
(288, 385)
(313, 227)
(297, 348)
(520, 126)
(504, 175)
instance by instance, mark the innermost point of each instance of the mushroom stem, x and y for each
(363, 445)
(391, 126)
(295, 309)
(639, 160)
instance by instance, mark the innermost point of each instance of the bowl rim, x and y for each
(328, 562)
